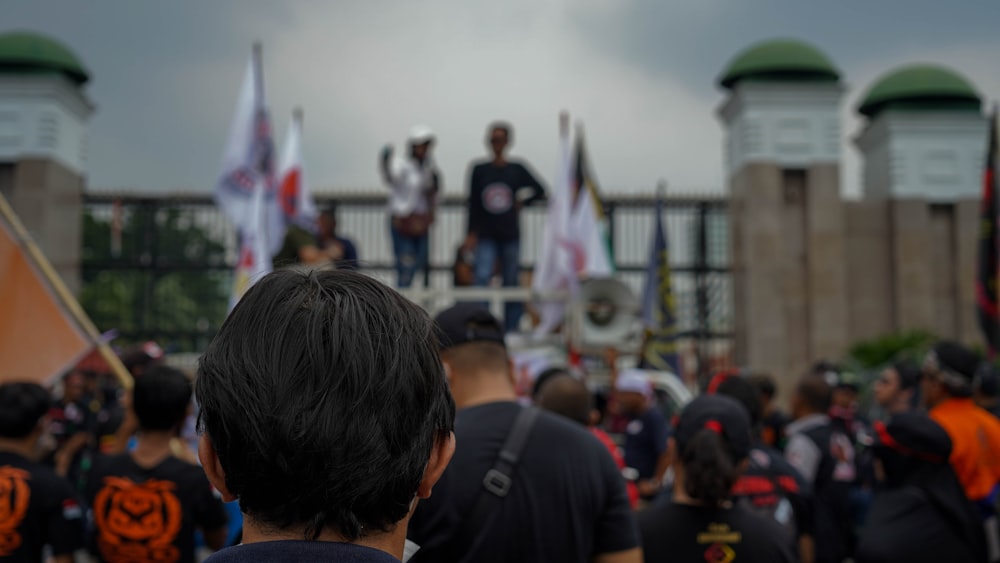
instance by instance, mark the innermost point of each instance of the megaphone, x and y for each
(604, 315)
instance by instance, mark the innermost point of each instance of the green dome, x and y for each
(779, 59)
(921, 86)
(27, 52)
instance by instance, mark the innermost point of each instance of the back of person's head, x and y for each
(472, 341)
(764, 383)
(954, 366)
(713, 438)
(908, 372)
(814, 393)
(746, 394)
(567, 396)
(544, 377)
(161, 398)
(22, 405)
(908, 444)
(323, 396)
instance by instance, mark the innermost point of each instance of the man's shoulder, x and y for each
(304, 551)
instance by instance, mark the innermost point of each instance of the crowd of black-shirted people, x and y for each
(348, 425)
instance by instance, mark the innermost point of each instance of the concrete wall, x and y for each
(48, 198)
(815, 274)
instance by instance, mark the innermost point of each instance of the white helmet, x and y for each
(420, 134)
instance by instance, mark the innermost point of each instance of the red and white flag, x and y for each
(296, 199)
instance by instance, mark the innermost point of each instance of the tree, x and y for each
(170, 282)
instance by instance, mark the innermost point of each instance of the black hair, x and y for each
(567, 396)
(330, 210)
(545, 376)
(747, 395)
(22, 405)
(323, 395)
(908, 372)
(161, 398)
(764, 384)
(710, 467)
(500, 125)
(815, 392)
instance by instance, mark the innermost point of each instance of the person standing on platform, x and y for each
(414, 184)
(495, 200)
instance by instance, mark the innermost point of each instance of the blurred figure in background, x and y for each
(921, 513)
(414, 184)
(646, 433)
(773, 419)
(341, 250)
(147, 503)
(986, 388)
(712, 441)
(824, 455)
(895, 389)
(494, 206)
(559, 392)
(37, 507)
(770, 486)
(72, 424)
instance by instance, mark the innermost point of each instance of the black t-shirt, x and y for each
(493, 196)
(567, 501)
(150, 514)
(646, 438)
(903, 525)
(300, 551)
(770, 486)
(679, 532)
(37, 508)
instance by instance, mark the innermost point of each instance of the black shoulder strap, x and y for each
(496, 483)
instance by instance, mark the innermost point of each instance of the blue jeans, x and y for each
(509, 254)
(411, 255)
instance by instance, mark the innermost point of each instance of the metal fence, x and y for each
(169, 278)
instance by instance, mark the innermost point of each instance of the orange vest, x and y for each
(975, 449)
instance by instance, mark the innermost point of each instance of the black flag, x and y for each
(989, 247)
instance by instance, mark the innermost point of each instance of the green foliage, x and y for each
(170, 282)
(871, 354)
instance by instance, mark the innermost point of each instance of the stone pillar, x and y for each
(912, 290)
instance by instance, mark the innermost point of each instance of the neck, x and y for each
(24, 447)
(499, 159)
(391, 542)
(152, 447)
(481, 389)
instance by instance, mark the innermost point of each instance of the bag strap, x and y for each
(497, 482)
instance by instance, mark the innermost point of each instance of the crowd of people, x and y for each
(347, 425)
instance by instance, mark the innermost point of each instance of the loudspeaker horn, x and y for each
(604, 315)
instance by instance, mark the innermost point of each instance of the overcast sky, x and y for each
(640, 74)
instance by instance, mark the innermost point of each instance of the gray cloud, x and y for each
(640, 74)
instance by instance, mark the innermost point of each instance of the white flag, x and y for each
(556, 266)
(248, 160)
(296, 198)
(246, 191)
(587, 225)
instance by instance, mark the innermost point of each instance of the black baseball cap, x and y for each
(465, 323)
(914, 435)
(722, 415)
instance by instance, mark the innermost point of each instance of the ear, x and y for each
(213, 467)
(448, 374)
(441, 454)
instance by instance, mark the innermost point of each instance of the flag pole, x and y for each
(63, 294)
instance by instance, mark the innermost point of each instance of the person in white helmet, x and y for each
(414, 183)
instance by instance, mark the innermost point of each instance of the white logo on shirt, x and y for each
(497, 198)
